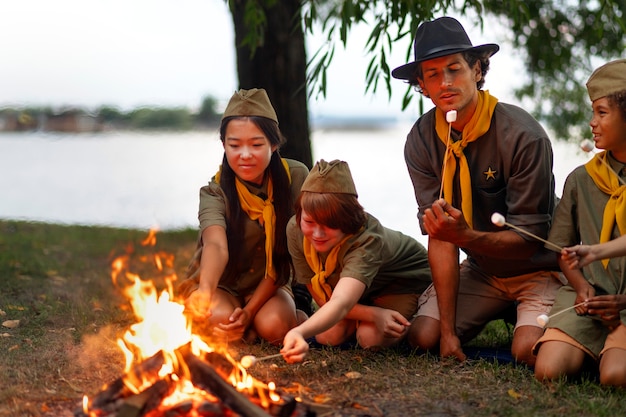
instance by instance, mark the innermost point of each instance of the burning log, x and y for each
(171, 372)
(208, 372)
(203, 374)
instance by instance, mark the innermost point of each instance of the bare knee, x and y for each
(272, 327)
(337, 334)
(523, 354)
(556, 360)
(368, 337)
(329, 339)
(613, 369)
(524, 339)
(546, 371)
(424, 333)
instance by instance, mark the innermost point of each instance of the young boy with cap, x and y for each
(365, 278)
(497, 159)
(593, 211)
(239, 279)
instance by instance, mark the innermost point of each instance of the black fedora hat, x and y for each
(437, 38)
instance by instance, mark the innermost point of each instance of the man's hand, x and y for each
(451, 347)
(444, 222)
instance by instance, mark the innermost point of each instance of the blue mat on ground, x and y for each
(501, 355)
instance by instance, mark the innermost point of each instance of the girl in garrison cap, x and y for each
(365, 278)
(592, 210)
(240, 277)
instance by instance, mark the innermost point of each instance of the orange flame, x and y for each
(163, 327)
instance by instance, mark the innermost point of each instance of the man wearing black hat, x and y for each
(469, 157)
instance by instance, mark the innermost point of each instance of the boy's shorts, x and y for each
(615, 339)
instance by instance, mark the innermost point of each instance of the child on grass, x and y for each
(593, 211)
(240, 278)
(366, 278)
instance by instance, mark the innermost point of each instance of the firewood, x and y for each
(203, 374)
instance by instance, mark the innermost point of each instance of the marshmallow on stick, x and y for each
(450, 118)
(249, 360)
(588, 146)
(499, 220)
(544, 319)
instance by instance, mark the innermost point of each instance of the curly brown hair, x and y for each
(619, 99)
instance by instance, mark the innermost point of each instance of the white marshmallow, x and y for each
(587, 145)
(247, 361)
(497, 219)
(543, 320)
(451, 116)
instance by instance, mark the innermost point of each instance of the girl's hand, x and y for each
(199, 305)
(295, 347)
(237, 325)
(577, 256)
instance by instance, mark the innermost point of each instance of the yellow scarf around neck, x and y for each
(318, 283)
(262, 211)
(475, 128)
(615, 209)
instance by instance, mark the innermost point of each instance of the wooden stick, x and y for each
(553, 246)
(588, 146)
(499, 220)
(621, 181)
(445, 159)
(567, 309)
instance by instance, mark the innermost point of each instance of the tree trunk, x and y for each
(279, 66)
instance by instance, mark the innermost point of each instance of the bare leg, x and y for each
(557, 359)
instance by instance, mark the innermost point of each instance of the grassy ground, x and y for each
(56, 281)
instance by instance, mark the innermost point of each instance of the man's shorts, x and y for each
(482, 297)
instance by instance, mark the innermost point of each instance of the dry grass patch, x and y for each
(56, 282)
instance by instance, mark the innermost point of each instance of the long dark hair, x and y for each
(282, 204)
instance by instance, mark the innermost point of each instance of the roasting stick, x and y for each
(588, 146)
(249, 360)
(544, 319)
(450, 117)
(498, 220)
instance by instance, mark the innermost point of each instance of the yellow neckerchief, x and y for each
(608, 182)
(262, 211)
(318, 283)
(475, 128)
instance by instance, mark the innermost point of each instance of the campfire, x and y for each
(172, 372)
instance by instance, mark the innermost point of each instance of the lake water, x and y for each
(142, 180)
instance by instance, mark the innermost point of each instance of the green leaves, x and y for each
(560, 42)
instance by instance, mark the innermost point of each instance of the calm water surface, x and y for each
(141, 180)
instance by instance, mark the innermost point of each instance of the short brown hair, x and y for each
(334, 210)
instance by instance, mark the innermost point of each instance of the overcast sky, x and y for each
(130, 53)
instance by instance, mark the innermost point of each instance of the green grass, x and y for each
(56, 281)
